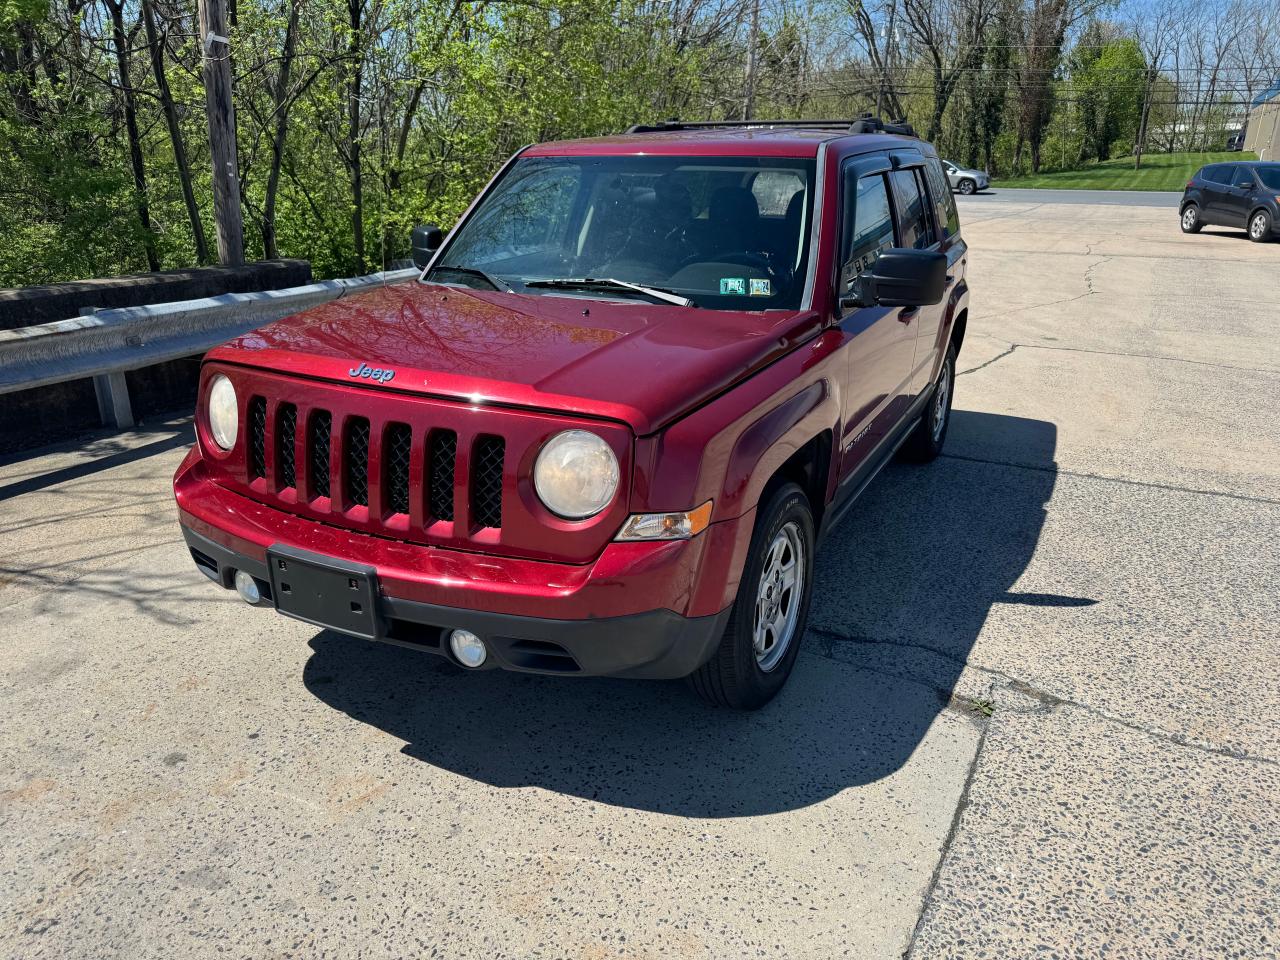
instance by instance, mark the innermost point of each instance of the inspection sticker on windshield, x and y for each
(761, 288)
(730, 285)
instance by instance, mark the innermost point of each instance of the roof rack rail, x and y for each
(866, 123)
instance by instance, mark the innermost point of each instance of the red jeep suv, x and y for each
(607, 428)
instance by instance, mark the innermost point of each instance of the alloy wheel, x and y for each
(778, 596)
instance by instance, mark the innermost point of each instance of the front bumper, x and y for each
(654, 645)
(643, 610)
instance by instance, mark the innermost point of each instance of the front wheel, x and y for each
(1191, 219)
(926, 440)
(1260, 227)
(967, 187)
(762, 637)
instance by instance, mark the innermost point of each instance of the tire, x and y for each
(926, 440)
(1190, 219)
(967, 187)
(739, 674)
(1259, 226)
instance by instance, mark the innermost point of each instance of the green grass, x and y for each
(1160, 171)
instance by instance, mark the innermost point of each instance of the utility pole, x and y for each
(890, 43)
(753, 39)
(222, 131)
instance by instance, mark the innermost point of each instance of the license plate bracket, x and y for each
(325, 591)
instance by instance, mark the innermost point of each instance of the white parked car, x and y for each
(965, 181)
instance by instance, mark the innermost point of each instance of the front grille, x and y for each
(321, 426)
(486, 481)
(395, 459)
(414, 478)
(257, 418)
(441, 456)
(355, 460)
(286, 430)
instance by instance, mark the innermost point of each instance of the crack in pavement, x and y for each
(1050, 702)
(1109, 353)
(1058, 471)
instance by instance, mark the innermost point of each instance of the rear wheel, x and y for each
(1260, 226)
(1191, 222)
(967, 186)
(926, 440)
(762, 637)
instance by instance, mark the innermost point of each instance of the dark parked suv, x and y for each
(1239, 194)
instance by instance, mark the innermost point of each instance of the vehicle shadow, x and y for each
(920, 561)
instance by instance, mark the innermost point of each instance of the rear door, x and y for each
(1214, 184)
(881, 344)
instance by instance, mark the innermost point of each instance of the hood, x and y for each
(640, 363)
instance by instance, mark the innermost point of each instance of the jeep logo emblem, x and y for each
(365, 372)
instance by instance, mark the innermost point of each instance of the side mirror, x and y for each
(425, 241)
(901, 278)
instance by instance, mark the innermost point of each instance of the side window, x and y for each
(868, 226)
(1218, 174)
(948, 217)
(1244, 178)
(913, 214)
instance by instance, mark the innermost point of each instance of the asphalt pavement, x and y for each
(1122, 198)
(1033, 716)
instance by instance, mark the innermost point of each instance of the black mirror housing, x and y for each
(907, 278)
(425, 241)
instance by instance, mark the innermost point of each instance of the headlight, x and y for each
(576, 474)
(224, 418)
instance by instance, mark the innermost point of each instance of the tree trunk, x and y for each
(222, 131)
(156, 46)
(356, 67)
(120, 42)
(282, 128)
(1141, 143)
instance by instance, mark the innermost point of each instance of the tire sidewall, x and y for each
(786, 504)
(1265, 233)
(1195, 226)
(968, 187)
(949, 368)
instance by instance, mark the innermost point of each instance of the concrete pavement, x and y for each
(1034, 714)
(1123, 198)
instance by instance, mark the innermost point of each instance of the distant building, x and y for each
(1262, 134)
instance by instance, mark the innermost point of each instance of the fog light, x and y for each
(247, 587)
(468, 648)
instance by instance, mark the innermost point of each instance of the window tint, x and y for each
(868, 226)
(913, 214)
(1270, 176)
(1217, 174)
(1244, 178)
(944, 203)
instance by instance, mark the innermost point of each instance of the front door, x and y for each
(882, 340)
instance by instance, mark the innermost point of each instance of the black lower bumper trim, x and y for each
(654, 645)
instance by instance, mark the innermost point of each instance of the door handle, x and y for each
(907, 314)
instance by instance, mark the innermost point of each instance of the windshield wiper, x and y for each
(605, 283)
(495, 282)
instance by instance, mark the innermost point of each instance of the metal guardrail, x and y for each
(104, 344)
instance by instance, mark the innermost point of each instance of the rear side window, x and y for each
(914, 221)
(944, 203)
(868, 226)
(1216, 174)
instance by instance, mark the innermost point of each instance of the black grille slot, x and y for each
(355, 458)
(395, 459)
(441, 456)
(257, 437)
(286, 430)
(318, 431)
(486, 481)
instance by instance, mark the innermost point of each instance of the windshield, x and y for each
(727, 233)
(1270, 176)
